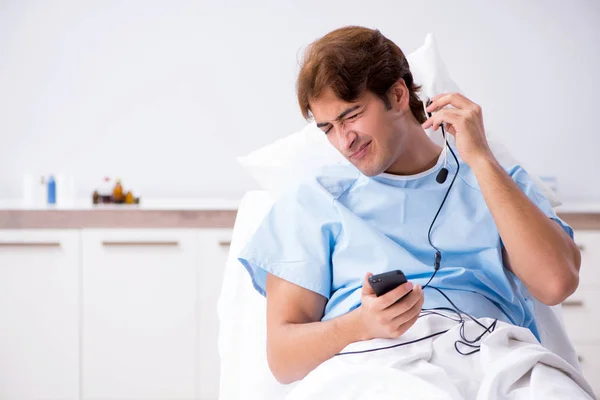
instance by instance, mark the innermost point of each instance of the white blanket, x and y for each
(510, 365)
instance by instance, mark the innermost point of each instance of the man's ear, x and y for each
(399, 96)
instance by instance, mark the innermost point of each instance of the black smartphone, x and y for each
(383, 283)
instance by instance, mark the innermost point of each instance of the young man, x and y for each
(500, 241)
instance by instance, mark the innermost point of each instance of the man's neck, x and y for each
(418, 153)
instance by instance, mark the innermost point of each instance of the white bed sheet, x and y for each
(242, 321)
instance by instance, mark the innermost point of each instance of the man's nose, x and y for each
(346, 139)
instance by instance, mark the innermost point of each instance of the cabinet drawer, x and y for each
(589, 244)
(581, 313)
(589, 357)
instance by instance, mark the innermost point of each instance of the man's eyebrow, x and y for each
(342, 115)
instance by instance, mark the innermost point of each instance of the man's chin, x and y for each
(369, 172)
(369, 167)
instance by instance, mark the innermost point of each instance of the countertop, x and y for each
(185, 213)
(151, 213)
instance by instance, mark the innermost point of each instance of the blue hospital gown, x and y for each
(327, 232)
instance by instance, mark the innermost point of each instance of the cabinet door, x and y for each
(214, 244)
(139, 314)
(39, 314)
(582, 317)
(589, 244)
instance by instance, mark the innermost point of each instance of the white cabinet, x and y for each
(582, 310)
(581, 314)
(39, 314)
(589, 245)
(149, 328)
(139, 314)
(214, 245)
(590, 364)
(110, 314)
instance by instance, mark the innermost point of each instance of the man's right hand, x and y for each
(385, 316)
(298, 340)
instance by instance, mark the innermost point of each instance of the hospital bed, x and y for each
(242, 321)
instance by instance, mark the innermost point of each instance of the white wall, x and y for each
(165, 94)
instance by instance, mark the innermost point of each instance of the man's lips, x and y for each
(360, 152)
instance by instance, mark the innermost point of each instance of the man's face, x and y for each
(365, 132)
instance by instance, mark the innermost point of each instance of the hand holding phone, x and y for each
(382, 314)
(383, 283)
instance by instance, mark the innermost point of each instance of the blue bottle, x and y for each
(51, 190)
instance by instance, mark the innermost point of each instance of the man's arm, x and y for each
(297, 340)
(537, 249)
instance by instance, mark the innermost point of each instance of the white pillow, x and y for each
(291, 158)
(298, 155)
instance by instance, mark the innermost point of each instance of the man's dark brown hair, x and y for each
(350, 61)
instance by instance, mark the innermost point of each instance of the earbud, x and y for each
(426, 104)
(443, 174)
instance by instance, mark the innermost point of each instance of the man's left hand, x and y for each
(464, 120)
